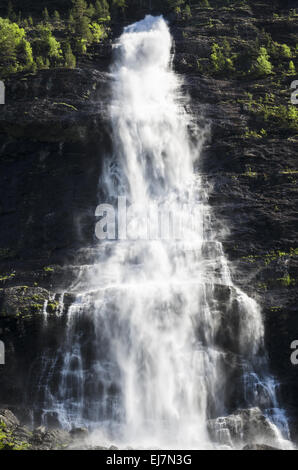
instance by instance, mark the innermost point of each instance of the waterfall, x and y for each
(159, 342)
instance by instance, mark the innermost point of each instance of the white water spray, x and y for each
(172, 342)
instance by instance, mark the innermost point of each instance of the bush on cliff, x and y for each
(221, 59)
(262, 66)
(15, 50)
(46, 45)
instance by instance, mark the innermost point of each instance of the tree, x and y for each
(10, 12)
(30, 21)
(102, 11)
(70, 59)
(120, 4)
(56, 17)
(262, 65)
(82, 29)
(46, 45)
(45, 15)
(98, 32)
(11, 36)
(90, 11)
(292, 69)
(285, 51)
(24, 54)
(79, 9)
(187, 12)
(71, 23)
(175, 5)
(41, 63)
(220, 58)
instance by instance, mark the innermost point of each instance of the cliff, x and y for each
(54, 138)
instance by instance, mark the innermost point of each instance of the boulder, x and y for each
(8, 419)
(244, 426)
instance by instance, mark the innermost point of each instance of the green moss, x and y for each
(52, 307)
(250, 173)
(271, 256)
(289, 172)
(254, 134)
(9, 442)
(48, 269)
(68, 106)
(7, 277)
(287, 281)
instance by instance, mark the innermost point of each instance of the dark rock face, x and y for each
(54, 137)
(253, 181)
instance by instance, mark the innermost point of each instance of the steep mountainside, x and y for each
(55, 136)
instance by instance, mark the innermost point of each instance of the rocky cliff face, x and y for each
(54, 137)
(254, 180)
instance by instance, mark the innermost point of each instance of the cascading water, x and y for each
(161, 341)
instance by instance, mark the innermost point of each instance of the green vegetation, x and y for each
(221, 58)
(268, 258)
(8, 441)
(287, 281)
(15, 50)
(273, 113)
(292, 68)
(254, 134)
(52, 307)
(48, 269)
(7, 277)
(55, 40)
(250, 173)
(284, 116)
(262, 66)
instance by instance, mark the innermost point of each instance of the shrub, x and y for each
(70, 59)
(262, 65)
(220, 58)
(45, 15)
(46, 45)
(285, 51)
(292, 69)
(102, 11)
(56, 18)
(24, 54)
(98, 32)
(187, 12)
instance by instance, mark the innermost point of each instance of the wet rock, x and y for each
(258, 447)
(43, 439)
(22, 301)
(79, 433)
(247, 425)
(8, 419)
